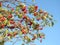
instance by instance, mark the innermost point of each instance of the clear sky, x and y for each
(52, 33)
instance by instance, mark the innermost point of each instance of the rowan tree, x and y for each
(25, 20)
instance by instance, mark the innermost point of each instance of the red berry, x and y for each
(36, 7)
(3, 18)
(35, 13)
(25, 11)
(33, 38)
(12, 22)
(12, 9)
(31, 23)
(24, 17)
(23, 31)
(9, 16)
(9, 34)
(0, 4)
(2, 26)
(24, 8)
(12, 27)
(40, 36)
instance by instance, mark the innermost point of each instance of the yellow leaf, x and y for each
(8, 23)
(20, 33)
(5, 22)
(20, 15)
(0, 8)
(9, 37)
(6, 31)
(1, 38)
(1, 15)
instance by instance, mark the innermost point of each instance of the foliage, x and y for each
(29, 24)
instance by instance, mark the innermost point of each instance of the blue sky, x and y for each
(52, 33)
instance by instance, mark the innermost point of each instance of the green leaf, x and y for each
(2, 43)
(38, 35)
(17, 8)
(20, 16)
(52, 23)
(6, 31)
(29, 40)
